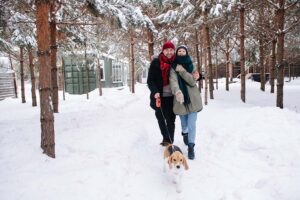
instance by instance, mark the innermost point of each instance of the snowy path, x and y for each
(107, 148)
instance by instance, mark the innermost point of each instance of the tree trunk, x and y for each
(53, 57)
(209, 59)
(216, 68)
(47, 118)
(132, 60)
(63, 79)
(22, 74)
(231, 69)
(261, 52)
(289, 66)
(280, 53)
(98, 63)
(198, 59)
(242, 51)
(31, 67)
(206, 75)
(201, 60)
(100, 77)
(227, 63)
(87, 78)
(261, 67)
(293, 68)
(272, 65)
(150, 45)
(14, 76)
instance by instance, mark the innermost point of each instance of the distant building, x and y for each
(7, 77)
(113, 73)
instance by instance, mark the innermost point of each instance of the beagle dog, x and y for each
(175, 163)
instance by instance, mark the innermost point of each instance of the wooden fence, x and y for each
(7, 88)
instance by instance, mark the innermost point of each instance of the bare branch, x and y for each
(77, 23)
(290, 6)
(72, 23)
(235, 43)
(273, 4)
(222, 49)
(21, 22)
(292, 26)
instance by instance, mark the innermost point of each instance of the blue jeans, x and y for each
(188, 125)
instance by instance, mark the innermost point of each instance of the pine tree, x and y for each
(43, 40)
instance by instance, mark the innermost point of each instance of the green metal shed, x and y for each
(75, 75)
(114, 73)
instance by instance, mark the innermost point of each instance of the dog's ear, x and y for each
(186, 167)
(170, 162)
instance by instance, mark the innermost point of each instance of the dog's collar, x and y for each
(173, 148)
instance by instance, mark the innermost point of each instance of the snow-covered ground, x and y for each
(108, 148)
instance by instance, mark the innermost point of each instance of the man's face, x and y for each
(169, 52)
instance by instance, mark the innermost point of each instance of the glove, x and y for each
(179, 68)
(179, 97)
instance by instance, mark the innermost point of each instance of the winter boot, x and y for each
(185, 138)
(191, 152)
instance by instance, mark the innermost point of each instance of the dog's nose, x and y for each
(178, 166)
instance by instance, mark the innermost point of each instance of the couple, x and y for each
(174, 74)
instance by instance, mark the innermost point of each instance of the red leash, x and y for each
(158, 105)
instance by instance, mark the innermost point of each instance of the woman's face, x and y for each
(181, 52)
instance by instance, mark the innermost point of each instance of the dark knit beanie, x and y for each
(182, 47)
(168, 45)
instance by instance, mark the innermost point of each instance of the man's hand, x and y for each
(179, 97)
(156, 95)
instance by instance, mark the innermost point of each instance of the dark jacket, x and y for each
(154, 81)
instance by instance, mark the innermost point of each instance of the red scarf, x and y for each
(165, 65)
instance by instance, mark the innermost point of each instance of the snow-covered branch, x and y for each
(177, 15)
(124, 14)
(4, 45)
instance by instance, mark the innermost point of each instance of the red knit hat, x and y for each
(168, 45)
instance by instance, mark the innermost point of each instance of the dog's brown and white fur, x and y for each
(175, 164)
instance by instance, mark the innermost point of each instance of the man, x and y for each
(158, 83)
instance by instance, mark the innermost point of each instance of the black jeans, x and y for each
(167, 127)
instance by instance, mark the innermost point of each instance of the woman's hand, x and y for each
(179, 68)
(196, 75)
(179, 97)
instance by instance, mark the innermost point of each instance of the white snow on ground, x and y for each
(108, 148)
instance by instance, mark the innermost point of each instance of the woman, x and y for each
(187, 100)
